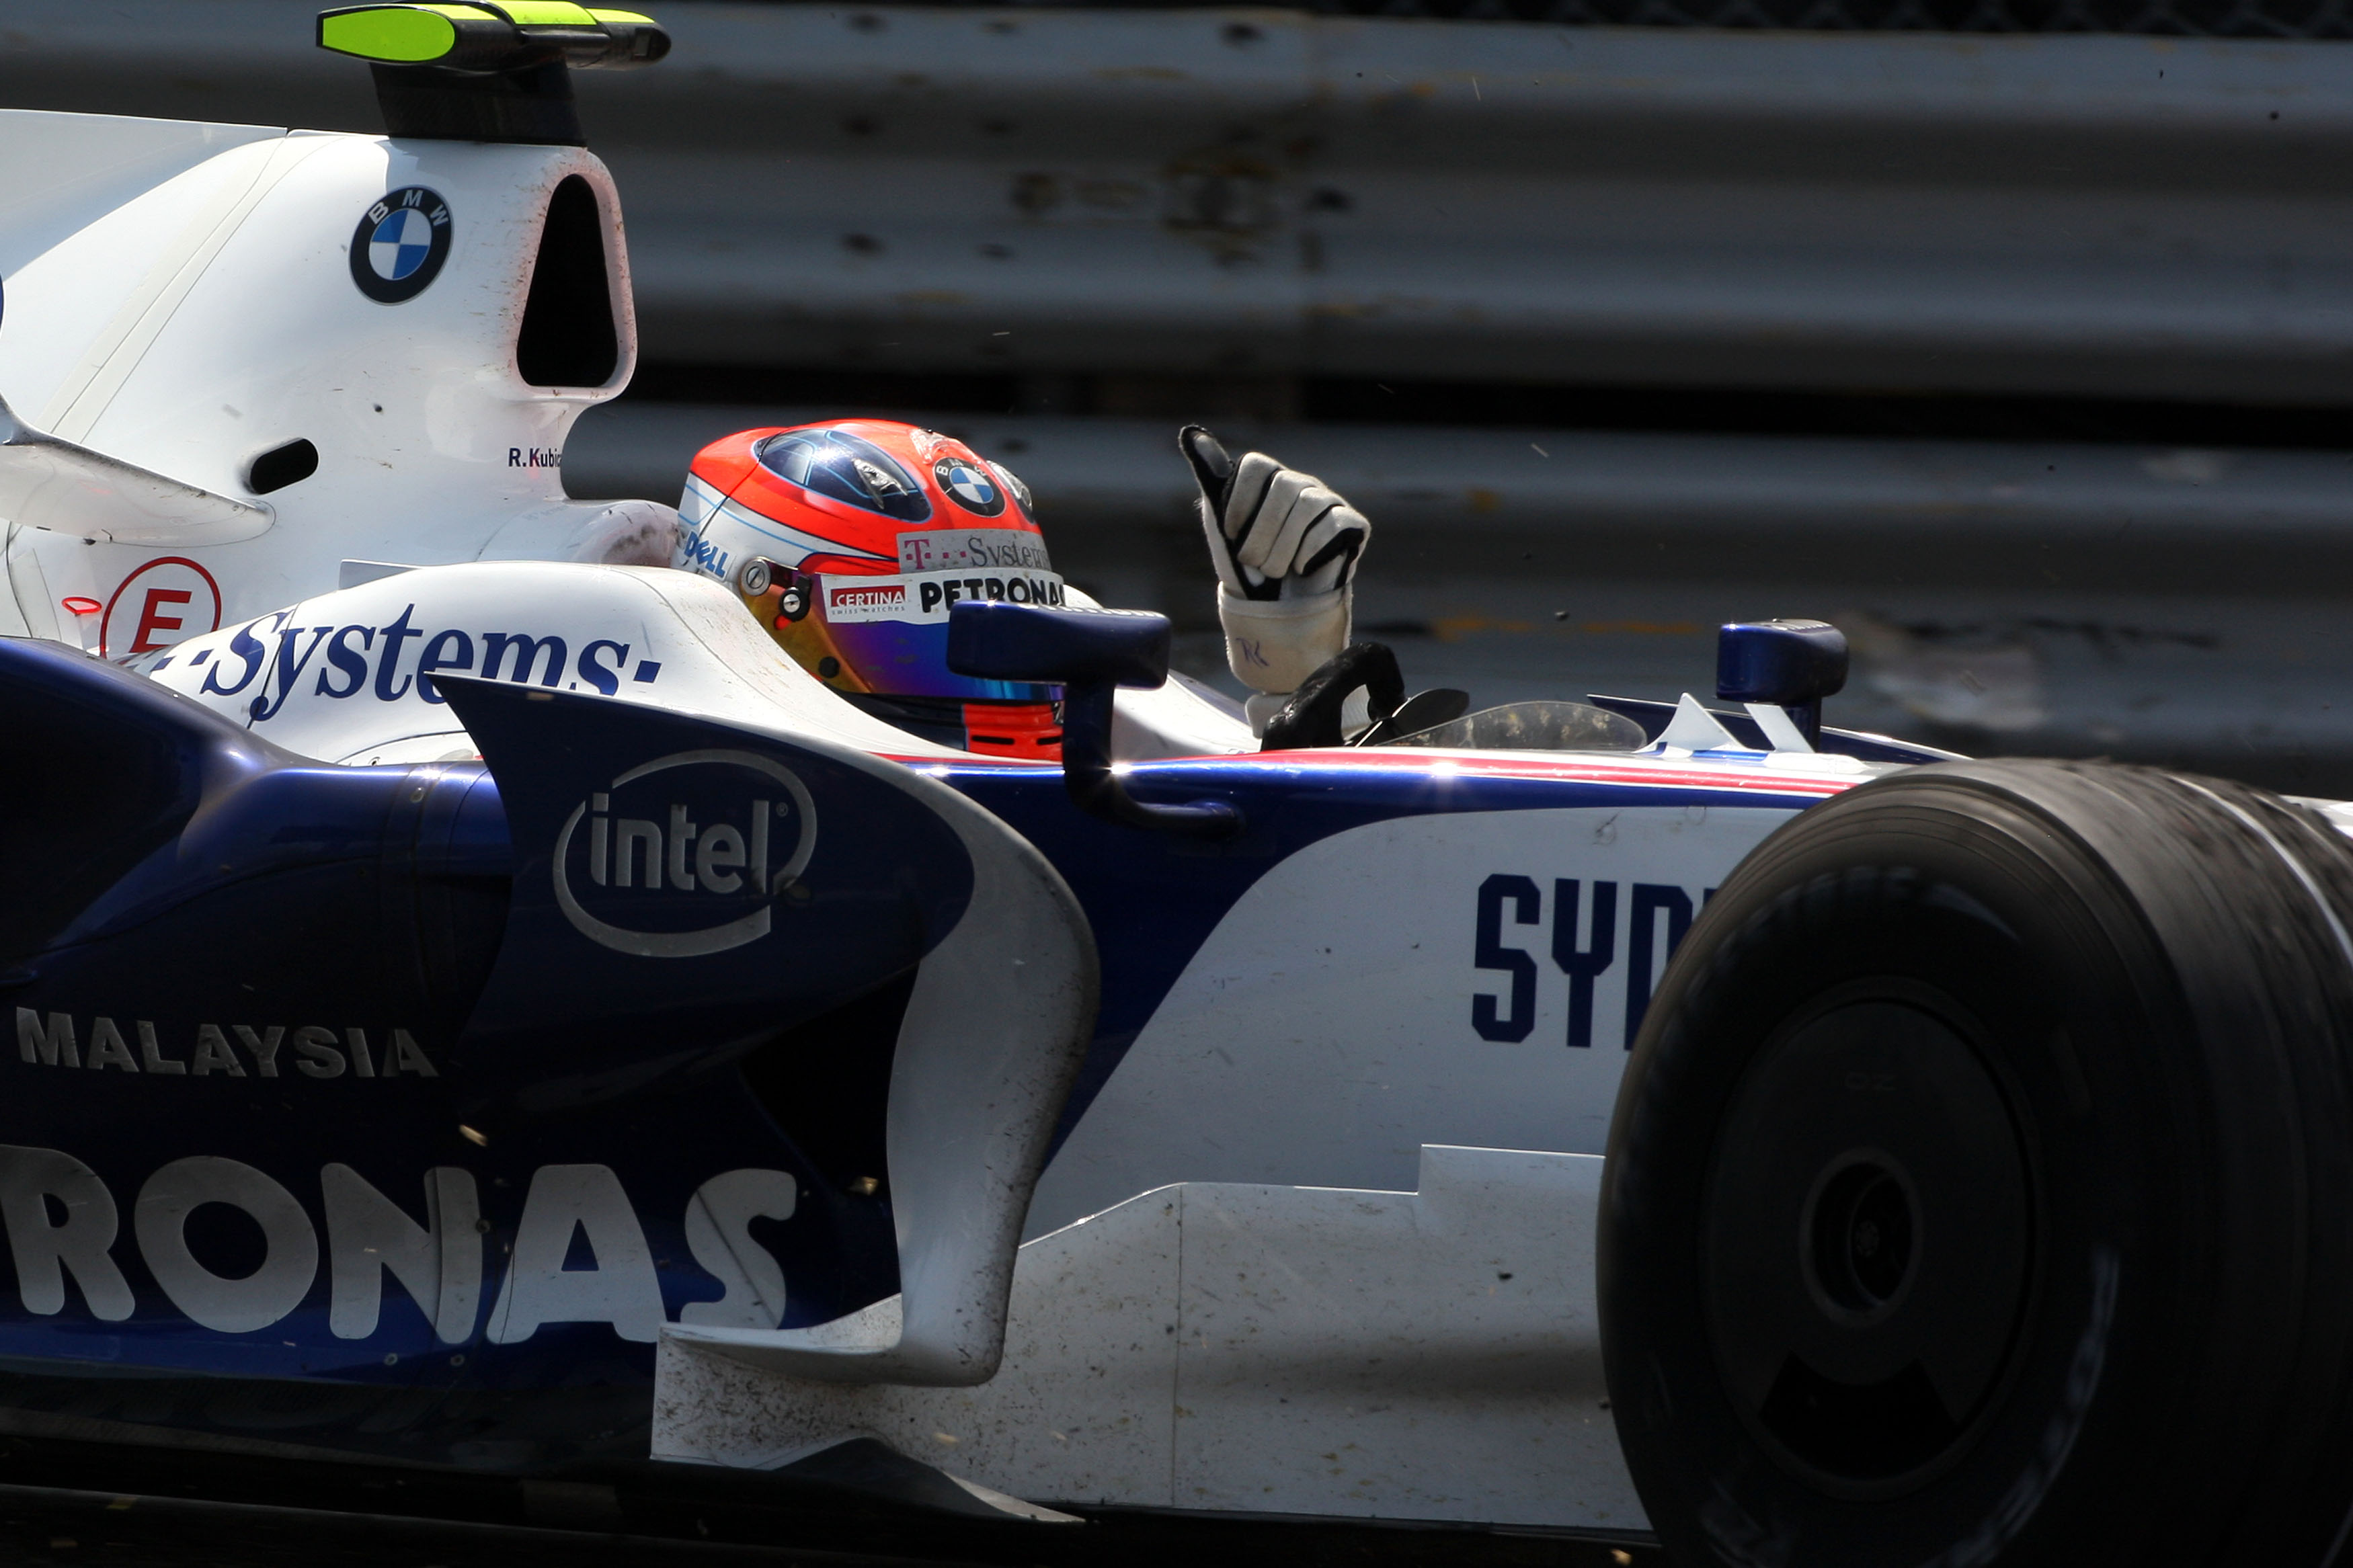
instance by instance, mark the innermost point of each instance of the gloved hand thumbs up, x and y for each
(1273, 532)
(1285, 548)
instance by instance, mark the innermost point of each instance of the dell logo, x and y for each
(685, 856)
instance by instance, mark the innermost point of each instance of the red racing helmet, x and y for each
(850, 540)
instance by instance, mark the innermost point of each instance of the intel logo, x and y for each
(685, 855)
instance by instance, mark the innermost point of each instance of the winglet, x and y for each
(1694, 728)
(52, 483)
(497, 70)
(842, 872)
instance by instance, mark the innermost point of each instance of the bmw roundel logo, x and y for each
(400, 245)
(974, 487)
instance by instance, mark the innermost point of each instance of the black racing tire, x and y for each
(1980, 1190)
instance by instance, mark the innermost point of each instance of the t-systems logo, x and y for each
(685, 855)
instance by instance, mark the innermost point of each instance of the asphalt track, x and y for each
(85, 1506)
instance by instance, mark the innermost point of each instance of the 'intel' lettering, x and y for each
(627, 852)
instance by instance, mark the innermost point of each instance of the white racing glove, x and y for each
(1286, 550)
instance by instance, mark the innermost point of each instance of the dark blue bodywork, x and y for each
(175, 890)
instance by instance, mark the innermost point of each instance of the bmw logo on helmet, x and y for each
(971, 486)
(400, 245)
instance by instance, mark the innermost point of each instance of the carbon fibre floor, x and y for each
(84, 1506)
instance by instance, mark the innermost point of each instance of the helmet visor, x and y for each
(849, 469)
(893, 631)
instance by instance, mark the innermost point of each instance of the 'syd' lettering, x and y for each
(1583, 949)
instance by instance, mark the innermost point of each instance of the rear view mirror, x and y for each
(994, 639)
(1791, 664)
(1089, 654)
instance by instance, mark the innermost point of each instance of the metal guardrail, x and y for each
(1119, 473)
(2170, 19)
(1996, 514)
(1233, 193)
(1255, 193)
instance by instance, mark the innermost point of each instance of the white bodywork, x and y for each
(179, 299)
(1322, 1034)
(1309, 1310)
(336, 677)
(1420, 1354)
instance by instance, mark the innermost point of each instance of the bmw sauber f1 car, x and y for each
(706, 1009)
(483, 995)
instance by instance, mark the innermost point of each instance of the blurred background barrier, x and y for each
(2024, 353)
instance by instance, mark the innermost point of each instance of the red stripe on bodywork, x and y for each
(1484, 766)
(1508, 765)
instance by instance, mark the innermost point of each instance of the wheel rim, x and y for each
(1867, 1241)
(1859, 1238)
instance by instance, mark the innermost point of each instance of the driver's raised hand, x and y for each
(1274, 532)
(1285, 548)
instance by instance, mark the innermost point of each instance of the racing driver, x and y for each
(852, 539)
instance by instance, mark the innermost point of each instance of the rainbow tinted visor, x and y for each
(894, 630)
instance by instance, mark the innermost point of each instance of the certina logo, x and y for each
(685, 856)
(400, 244)
(867, 596)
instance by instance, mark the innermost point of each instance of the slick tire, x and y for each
(1981, 1185)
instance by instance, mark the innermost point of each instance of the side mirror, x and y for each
(996, 639)
(1790, 664)
(1089, 654)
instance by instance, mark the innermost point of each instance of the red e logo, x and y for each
(167, 599)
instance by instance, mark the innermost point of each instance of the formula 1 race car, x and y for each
(819, 1018)
(707, 1009)
(701, 1057)
(582, 1032)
